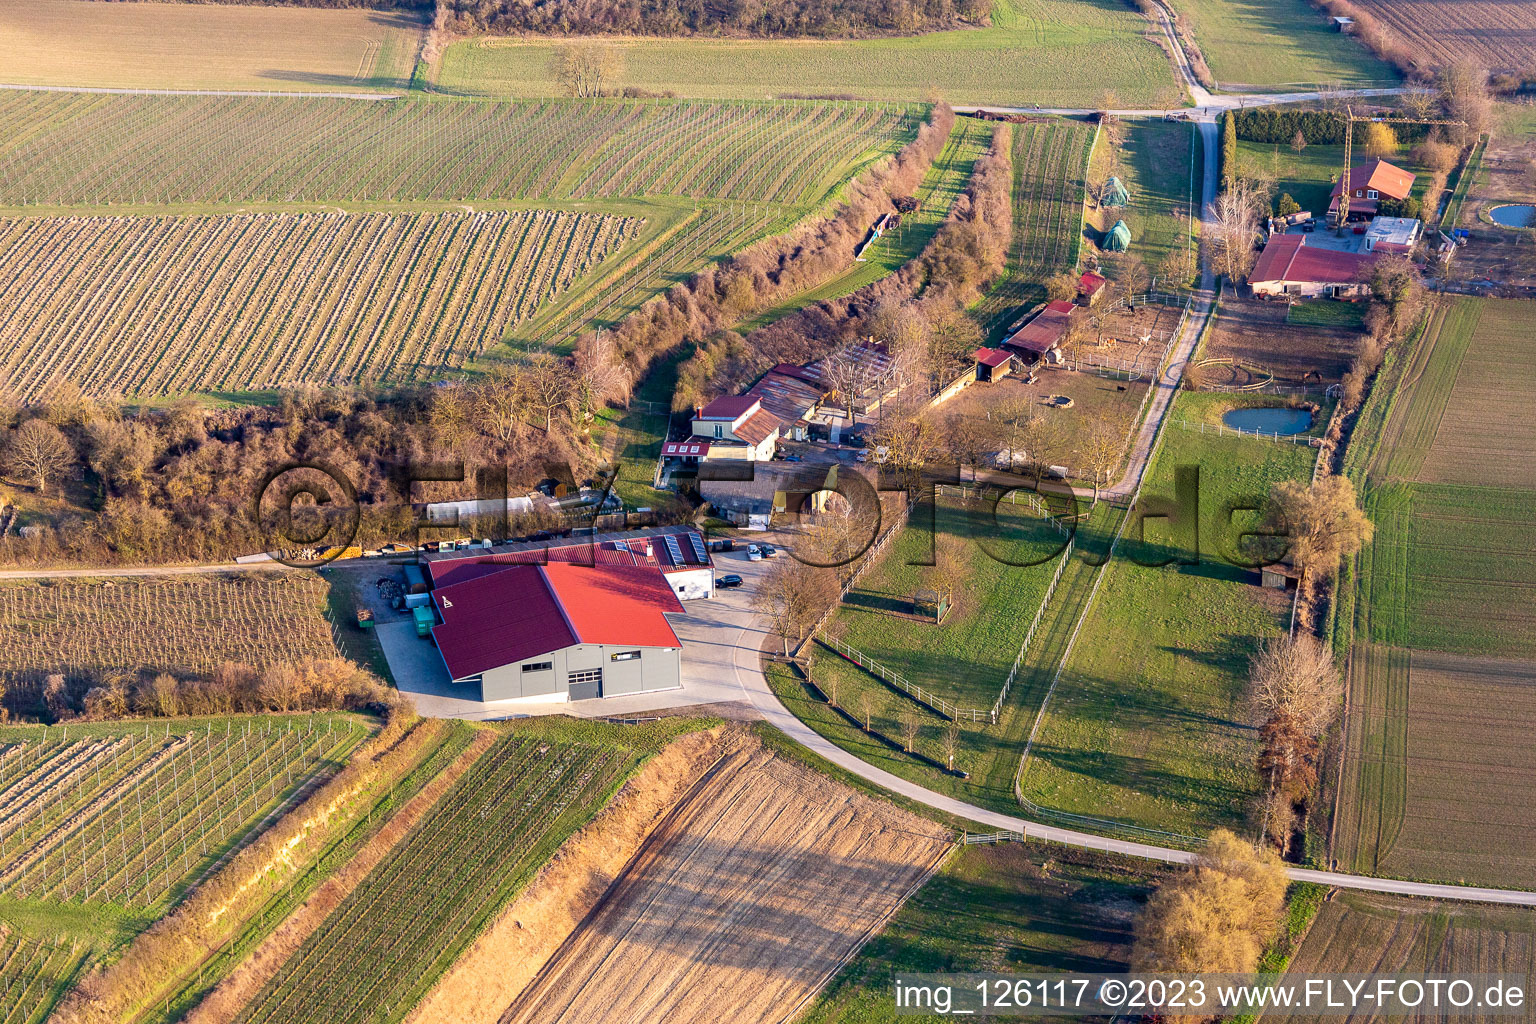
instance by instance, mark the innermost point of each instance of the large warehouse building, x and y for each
(678, 551)
(558, 632)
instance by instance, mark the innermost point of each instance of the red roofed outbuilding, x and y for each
(1089, 287)
(1044, 331)
(992, 364)
(558, 632)
(1289, 266)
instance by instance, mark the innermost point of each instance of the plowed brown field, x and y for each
(742, 903)
(1500, 34)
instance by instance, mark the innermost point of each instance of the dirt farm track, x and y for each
(742, 903)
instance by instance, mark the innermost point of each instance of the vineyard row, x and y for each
(170, 305)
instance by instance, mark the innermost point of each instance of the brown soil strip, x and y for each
(491, 973)
(740, 905)
(228, 998)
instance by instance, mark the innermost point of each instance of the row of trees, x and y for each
(766, 18)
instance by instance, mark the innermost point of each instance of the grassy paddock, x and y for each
(205, 46)
(1156, 161)
(1032, 53)
(1148, 723)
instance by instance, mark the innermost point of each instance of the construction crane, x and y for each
(1350, 119)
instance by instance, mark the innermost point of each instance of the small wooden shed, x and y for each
(1280, 576)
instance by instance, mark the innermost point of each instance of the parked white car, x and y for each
(754, 553)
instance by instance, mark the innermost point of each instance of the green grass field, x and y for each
(1147, 724)
(1158, 161)
(992, 616)
(1034, 52)
(1279, 42)
(1005, 908)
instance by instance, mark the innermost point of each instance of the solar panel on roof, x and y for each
(697, 543)
(621, 545)
(673, 550)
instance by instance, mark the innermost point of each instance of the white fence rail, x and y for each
(868, 560)
(895, 679)
(1221, 429)
(1034, 626)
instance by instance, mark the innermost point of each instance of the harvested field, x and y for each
(61, 149)
(741, 905)
(1363, 933)
(183, 624)
(1499, 36)
(205, 46)
(1255, 334)
(1439, 768)
(1486, 434)
(149, 305)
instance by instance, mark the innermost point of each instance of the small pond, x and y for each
(1517, 215)
(1269, 420)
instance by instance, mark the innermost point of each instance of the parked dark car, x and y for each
(792, 458)
(768, 550)
(728, 581)
(722, 545)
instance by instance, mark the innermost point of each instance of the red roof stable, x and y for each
(1289, 258)
(521, 611)
(693, 448)
(1045, 330)
(1090, 283)
(992, 356)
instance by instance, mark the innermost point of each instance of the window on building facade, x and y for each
(590, 675)
(538, 666)
(625, 656)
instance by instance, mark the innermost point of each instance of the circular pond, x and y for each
(1515, 215)
(1269, 420)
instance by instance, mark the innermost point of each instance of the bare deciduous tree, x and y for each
(1296, 678)
(910, 724)
(951, 744)
(789, 596)
(37, 449)
(1236, 215)
(1102, 450)
(587, 69)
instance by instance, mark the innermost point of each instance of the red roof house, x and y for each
(1289, 266)
(530, 631)
(1368, 184)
